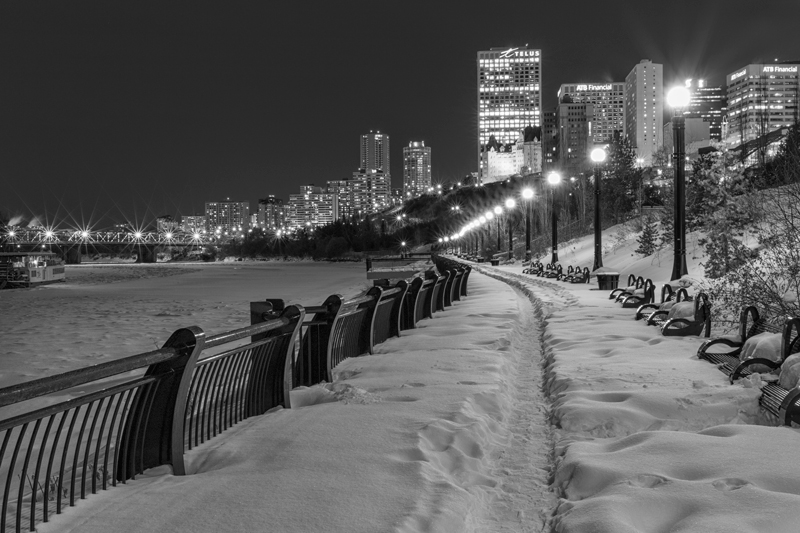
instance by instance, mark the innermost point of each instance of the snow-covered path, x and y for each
(443, 429)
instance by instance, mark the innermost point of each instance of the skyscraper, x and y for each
(230, 219)
(416, 169)
(375, 153)
(608, 100)
(707, 103)
(644, 108)
(761, 99)
(509, 99)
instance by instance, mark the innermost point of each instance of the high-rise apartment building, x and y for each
(761, 98)
(416, 169)
(549, 140)
(271, 213)
(313, 206)
(228, 218)
(509, 99)
(375, 153)
(608, 101)
(644, 108)
(707, 103)
(371, 193)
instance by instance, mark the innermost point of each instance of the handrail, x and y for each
(47, 385)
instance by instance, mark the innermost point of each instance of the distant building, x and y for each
(313, 206)
(761, 98)
(271, 213)
(509, 99)
(416, 169)
(231, 219)
(193, 223)
(697, 135)
(709, 104)
(523, 157)
(375, 153)
(608, 99)
(644, 109)
(370, 193)
(575, 136)
(549, 140)
(167, 224)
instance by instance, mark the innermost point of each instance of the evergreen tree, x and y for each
(621, 180)
(647, 239)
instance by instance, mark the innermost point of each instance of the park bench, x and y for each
(633, 284)
(669, 297)
(581, 276)
(568, 274)
(645, 295)
(751, 322)
(554, 272)
(534, 268)
(684, 318)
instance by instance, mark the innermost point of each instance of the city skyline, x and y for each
(150, 109)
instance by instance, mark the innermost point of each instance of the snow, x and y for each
(530, 405)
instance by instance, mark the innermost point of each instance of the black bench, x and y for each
(581, 277)
(533, 268)
(669, 296)
(638, 297)
(683, 327)
(554, 272)
(633, 284)
(751, 322)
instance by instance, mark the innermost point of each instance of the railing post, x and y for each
(162, 431)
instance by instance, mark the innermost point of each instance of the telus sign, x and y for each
(516, 52)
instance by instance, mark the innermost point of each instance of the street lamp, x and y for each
(527, 194)
(497, 211)
(554, 179)
(598, 156)
(678, 99)
(510, 204)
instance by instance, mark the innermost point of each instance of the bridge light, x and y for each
(168, 235)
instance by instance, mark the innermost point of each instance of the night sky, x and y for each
(114, 111)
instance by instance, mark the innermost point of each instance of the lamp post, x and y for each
(598, 156)
(678, 99)
(527, 194)
(554, 179)
(510, 204)
(497, 211)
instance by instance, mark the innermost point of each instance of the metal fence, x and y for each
(146, 410)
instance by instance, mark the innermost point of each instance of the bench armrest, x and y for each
(745, 365)
(703, 349)
(645, 307)
(656, 314)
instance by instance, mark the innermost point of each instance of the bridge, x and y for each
(69, 237)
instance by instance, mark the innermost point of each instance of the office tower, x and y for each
(707, 103)
(608, 100)
(549, 140)
(416, 169)
(762, 98)
(271, 213)
(644, 109)
(575, 138)
(231, 219)
(370, 193)
(509, 99)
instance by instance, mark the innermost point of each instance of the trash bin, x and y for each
(608, 281)
(495, 262)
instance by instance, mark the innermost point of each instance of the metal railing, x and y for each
(125, 416)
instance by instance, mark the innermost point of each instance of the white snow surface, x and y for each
(530, 405)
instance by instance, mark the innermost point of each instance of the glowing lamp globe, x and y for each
(527, 193)
(403, 243)
(598, 155)
(489, 215)
(498, 209)
(511, 203)
(483, 220)
(553, 178)
(447, 239)
(678, 97)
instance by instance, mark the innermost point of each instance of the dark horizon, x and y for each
(112, 113)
